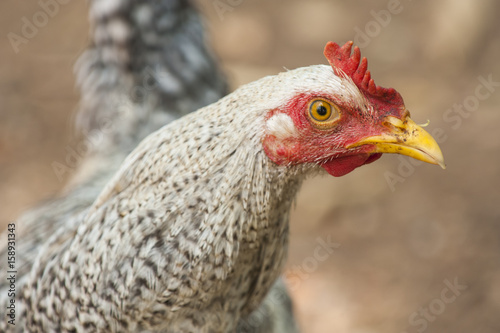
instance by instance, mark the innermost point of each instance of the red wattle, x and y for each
(343, 165)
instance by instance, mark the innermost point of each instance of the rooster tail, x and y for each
(147, 65)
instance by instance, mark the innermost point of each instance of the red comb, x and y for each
(345, 64)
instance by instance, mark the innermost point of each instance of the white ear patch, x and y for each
(281, 126)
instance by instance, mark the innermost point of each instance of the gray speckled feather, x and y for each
(147, 53)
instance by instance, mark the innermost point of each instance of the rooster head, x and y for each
(342, 120)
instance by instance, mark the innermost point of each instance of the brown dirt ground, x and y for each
(400, 244)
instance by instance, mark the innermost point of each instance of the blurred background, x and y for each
(413, 248)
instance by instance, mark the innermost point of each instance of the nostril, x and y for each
(394, 124)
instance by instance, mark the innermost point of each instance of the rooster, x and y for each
(192, 231)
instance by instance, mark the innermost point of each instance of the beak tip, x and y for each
(439, 160)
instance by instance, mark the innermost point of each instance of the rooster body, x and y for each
(192, 231)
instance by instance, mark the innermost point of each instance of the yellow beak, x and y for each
(406, 138)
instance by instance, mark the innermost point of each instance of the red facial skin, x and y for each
(325, 147)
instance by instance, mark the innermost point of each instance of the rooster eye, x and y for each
(321, 111)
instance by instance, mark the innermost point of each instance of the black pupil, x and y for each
(321, 110)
